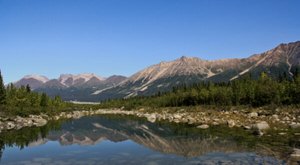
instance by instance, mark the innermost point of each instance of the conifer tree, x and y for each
(28, 89)
(44, 100)
(2, 90)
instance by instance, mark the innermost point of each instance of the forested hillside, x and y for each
(22, 101)
(244, 91)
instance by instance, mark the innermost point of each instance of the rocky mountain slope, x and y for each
(187, 70)
(78, 80)
(35, 81)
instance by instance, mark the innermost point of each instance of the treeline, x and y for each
(244, 91)
(22, 101)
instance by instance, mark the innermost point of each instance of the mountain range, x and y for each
(283, 59)
(70, 87)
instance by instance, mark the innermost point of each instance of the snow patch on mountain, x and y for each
(37, 77)
(99, 91)
(248, 69)
(181, 66)
(86, 77)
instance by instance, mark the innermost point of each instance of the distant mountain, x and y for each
(187, 70)
(115, 79)
(35, 81)
(78, 80)
(283, 59)
(70, 87)
(53, 84)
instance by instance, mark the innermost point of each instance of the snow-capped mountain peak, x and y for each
(88, 76)
(35, 81)
(70, 79)
(37, 77)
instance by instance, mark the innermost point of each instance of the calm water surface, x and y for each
(129, 140)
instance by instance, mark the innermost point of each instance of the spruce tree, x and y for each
(2, 90)
(44, 100)
(28, 89)
(296, 73)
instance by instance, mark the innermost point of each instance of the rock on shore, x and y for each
(203, 119)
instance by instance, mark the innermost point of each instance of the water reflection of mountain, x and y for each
(165, 138)
(178, 139)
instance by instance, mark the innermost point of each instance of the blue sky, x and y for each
(107, 37)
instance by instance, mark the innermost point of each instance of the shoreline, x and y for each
(282, 123)
(259, 120)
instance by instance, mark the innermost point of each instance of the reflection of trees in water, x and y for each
(164, 137)
(23, 137)
(1, 149)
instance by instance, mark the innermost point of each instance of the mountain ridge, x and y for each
(163, 76)
(188, 70)
(67, 80)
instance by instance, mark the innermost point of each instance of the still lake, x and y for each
(129, 140)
